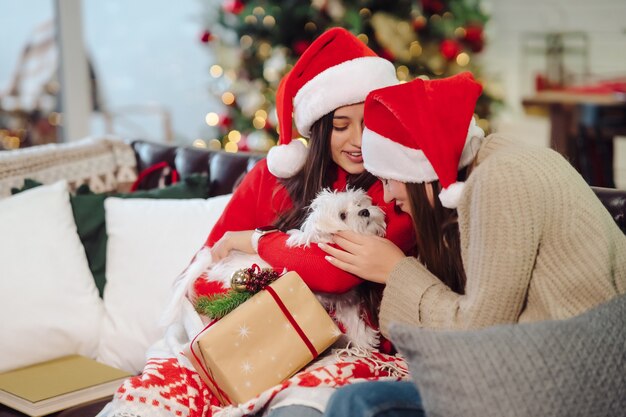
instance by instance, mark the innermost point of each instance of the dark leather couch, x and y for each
(226, 169)
(615, 202)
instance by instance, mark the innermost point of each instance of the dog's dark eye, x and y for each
(342, 215)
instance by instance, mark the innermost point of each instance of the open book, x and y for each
(58, 384)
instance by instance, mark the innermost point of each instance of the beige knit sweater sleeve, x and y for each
(500, 221)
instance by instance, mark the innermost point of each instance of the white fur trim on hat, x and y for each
(285, 161)
(451, 195)
(344, 84)
(388, 159)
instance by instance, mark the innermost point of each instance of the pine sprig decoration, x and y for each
(219, 305)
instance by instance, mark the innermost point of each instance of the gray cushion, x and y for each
(574, 367)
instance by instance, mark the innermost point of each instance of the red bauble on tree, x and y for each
(233, 6)
(477, 46)
(432, 6)
(474, 33)
(474, 37)
(206, 36)
(300, 46)
(226, 122)
(242, 145)
(449, 49)
(419, 23)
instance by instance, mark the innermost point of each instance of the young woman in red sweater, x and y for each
(328, 86)
(325, 92)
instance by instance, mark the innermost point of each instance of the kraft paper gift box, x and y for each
(262, 342)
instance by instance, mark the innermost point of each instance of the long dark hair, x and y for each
(319, 171)
(437, 234)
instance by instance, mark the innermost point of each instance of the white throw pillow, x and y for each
(150, 243)
(49, 303)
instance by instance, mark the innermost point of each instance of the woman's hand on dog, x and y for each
(369, 257)
(240, 241)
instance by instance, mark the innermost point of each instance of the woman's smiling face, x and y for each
(345, 140)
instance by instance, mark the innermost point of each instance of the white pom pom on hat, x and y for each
(285, 161)
(451, 195)
(336, 70)
(423, 131)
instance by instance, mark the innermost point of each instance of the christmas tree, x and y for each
(256, 42)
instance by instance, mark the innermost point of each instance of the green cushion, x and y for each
(88, 209)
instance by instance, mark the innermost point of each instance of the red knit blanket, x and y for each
(169, 388)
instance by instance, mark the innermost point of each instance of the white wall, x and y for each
(17, 20)
(144, 51)
(147, 51)
(603, 20)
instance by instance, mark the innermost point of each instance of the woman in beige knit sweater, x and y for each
(523, 239)
(506, 233)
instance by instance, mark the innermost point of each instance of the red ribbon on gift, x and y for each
(293, 322)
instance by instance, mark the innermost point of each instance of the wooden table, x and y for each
(567, 122)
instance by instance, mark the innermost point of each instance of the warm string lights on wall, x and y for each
(427, 39)
(21, 128)
(11, 139)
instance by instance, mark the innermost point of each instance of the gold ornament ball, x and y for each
(239, 279)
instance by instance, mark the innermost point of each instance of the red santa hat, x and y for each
(336, 70)
(418, 132)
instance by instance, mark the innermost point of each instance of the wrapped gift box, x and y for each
(263, 342)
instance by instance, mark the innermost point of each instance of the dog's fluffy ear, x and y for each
(313, 229)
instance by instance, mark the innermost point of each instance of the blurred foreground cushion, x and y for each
(574, 367)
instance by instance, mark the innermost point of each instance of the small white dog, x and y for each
(329, 212)
(333, 211)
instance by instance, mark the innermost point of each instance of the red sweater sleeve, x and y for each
(257, 201)
(308, 262)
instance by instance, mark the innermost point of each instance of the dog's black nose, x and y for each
(364, 213)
